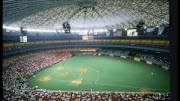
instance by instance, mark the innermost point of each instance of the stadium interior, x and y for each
(86, 50)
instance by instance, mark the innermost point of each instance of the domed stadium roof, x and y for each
(50, 14)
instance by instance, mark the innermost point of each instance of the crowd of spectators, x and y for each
(115, 52)
(161, 60)
(17, 68)
(44, 95)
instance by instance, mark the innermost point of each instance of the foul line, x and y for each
(105, 84)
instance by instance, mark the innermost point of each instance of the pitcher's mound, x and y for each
(45, 78)
(65, 74)
(77, 81)
(83, 69)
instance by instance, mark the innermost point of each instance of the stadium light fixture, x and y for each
(11, 28)
(114, 30)
(27, 29)
(80, 31)
(145, 27)
(39, 30)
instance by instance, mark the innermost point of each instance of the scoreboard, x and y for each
(23, 38)
(132, 32)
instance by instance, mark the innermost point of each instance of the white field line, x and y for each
(97, 76)
(106, 84)
(80, 75)
(97, 72)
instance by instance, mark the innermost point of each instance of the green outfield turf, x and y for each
(102, 73)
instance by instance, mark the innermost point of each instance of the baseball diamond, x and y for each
(101, 73)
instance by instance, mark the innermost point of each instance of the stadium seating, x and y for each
(46, 95)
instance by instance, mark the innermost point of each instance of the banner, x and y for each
(149, 62)
(137, 59)
(165, 67)
(124, 57)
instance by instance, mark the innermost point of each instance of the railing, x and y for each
(147, 44)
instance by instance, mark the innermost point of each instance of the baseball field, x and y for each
(101, 73)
